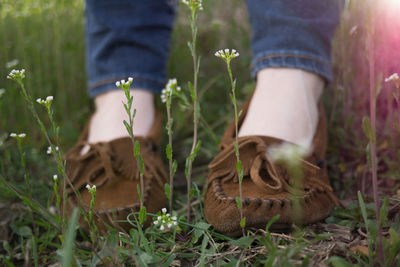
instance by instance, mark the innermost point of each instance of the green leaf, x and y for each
(167, 190)
(174, 167)
(270, 222)
(384, 211)
(239, 166)
(137, 148)
(128, 128)
(193, 192)
(337, 261)
(232, 99)
(235, 148)
(243, 222)
(24, 231)
(240, 113)
(69, 238)
(196, 149)
(199, 229)
(142, 215)
(192, 92)
(187, 167)
(134, 113)
(238, 202)
(244, 241)
(141, 164)
(362, 207)
(368, 131)
(169, 152)
(139, 191)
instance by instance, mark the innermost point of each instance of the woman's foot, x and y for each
(107, 121)
(284, 105)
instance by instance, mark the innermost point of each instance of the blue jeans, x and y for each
(130, 38)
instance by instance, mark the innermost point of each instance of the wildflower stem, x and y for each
(171, 176)
(239, 170)
(57, 156)
(373, 143)
(193, 25)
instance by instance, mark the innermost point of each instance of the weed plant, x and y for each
(33, 230)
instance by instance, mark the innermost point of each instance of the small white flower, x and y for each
(173, 218)
(164, 210)
(55, 178)
(392, 78)
(288, 153)
(40, 101)
(2, 91)
(169, 225)
(16, 74)
(13, 135)
(226, 54)
(155, 222)
(50, 150)
(122, 81)
(159, 218)
(91, 189)
(130, 79)
(175, 223)
(22, 135)
(12, 63)
(49, 98)
(162, 228)
(118, 84)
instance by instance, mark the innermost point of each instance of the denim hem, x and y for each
(291, 59)
(139, 81)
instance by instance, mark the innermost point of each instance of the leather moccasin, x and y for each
(266, 185)
(112, 168)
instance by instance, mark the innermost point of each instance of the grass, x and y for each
(47, 39)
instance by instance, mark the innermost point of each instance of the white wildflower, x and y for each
(227, 54)
(2, 91)
(165, 221)
(91, 189)
(12, 63)
(22, 135)
(16, 75)
(124, 84)
(170, 88)
(193, 4)
(55, 177)
(392, 78)
(50, 150)
(13, 135)
(46, 102)
(288, 153)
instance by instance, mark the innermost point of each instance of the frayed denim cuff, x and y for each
(291, 59)
(143, 82)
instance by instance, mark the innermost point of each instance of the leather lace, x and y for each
(267, 175)
(101, 164)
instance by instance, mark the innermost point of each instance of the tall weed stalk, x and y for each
(194, 6)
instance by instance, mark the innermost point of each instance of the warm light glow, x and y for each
(392, 3)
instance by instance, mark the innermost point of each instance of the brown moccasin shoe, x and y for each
(112, 167)
(266, 185)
